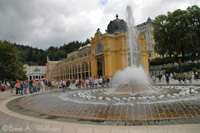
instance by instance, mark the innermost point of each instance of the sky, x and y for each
(45, 23)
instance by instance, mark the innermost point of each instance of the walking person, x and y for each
(153, 79)
(34, 86)
(190, 77)
(59, 84)
(30, 86)
(7, 85)
(79, 83)
(12, 85)
(76, 83)
(22, 87)
(17, 86)
(68, 84)
(49, 85)
(87, 82)
(83, 83)
(91, 82)
(3, 87)
(179, 78)
(167, 78)
(26, 85)
(100, 81)
(96, 81)
(196, 76)
(38, 86)
(108, 80)
(160, 77)
(183, 77)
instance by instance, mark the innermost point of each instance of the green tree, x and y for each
(194, 18)
(10, 65)
(160, 34)
(178, 32)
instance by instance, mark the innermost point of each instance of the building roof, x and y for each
(117, 26)
(145, 23)
(83, 47)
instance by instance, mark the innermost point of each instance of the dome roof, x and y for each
(149, 20)
(117, 26)
(36, 69)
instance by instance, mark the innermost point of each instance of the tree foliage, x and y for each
(10, 65)
(34, 56)
(60, 53)
(178, 32)
(13, 56)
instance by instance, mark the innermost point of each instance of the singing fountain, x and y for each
(130, 100)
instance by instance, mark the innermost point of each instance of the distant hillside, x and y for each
(35, 56)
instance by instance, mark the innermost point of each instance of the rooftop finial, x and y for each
(116, 15)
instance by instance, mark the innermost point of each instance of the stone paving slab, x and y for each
(8, 117)
(138, 129)
(157, 129)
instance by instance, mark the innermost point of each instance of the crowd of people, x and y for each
(182, 78)
(80, 83)
(34, 86)
(21, 87)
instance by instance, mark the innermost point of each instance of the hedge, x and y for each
(183, 68)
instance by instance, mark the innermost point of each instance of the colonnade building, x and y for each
(106, 54)
(76, 65)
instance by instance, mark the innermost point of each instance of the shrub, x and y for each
(183, 68)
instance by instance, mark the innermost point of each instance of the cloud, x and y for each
(44, 23)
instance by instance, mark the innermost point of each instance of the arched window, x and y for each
(99, 48)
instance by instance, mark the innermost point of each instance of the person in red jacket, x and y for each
(79, 83)
(17, 86)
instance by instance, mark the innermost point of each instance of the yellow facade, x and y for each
(114, 53)
(104, 57)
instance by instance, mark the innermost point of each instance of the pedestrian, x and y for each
(108, 80)
(30, 86)
(179, 78)
(12, 85)
(26, 85)
(7, 85)
(153, 77)
(160, 77)
(91, 82)
(167, 78)
(196, 77)
(64, 83)
(60, 84)
(68, 84)
(34, 85)
(190, 77)
(184, 77)
(96, 81)
(79, 83)
(49, 85)
(17, 86)
(171, 76)
(38, 86)
(87, 82)
(76, 83)
(3, 87)
(42, 85)
(22, 87)
(82, 83)
(100, 81)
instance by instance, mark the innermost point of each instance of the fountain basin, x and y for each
(98, 105)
